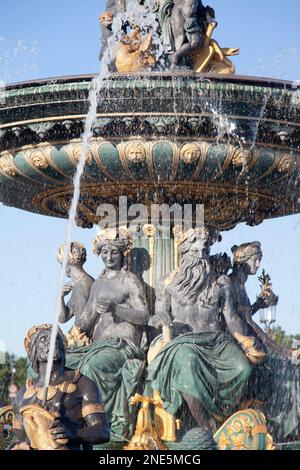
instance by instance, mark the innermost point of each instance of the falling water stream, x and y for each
(146, 23)
(95, 88)
(88, 133)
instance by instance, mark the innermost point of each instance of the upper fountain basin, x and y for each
(230, 142)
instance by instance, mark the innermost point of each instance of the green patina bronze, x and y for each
(166, 112)
(116, 366)
(206, 366)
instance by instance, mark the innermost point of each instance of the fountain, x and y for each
(172, 125)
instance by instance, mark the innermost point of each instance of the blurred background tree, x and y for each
(280, 336)
(12, 372)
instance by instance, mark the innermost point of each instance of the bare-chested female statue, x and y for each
(80, 286)
(73, 415)
(202, 367)
(275, 381)
(114, 319)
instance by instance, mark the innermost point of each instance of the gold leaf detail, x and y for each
(135, 152)
(190, 153)
(38, 159)
(6, 165)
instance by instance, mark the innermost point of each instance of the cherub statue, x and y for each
(113, 8)
(134, 52)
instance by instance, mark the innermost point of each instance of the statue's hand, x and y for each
(67, 288)
(161, 319)
(103, 305)
(59, 431)
(265, 301)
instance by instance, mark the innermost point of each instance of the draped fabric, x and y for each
(116, 366)
(206, 366)
(165, 23)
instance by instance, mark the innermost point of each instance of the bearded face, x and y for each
(192, 281)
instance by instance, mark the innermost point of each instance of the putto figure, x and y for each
(114, 319)
(73, 416)
(202, 367)
(80, 286)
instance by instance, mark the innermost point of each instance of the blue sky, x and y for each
(61, 37)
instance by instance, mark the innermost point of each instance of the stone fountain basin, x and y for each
(230, 143)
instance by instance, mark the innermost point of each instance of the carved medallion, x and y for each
(190, 153)
(135, 152)
(239, 157)
(77, 151)
(286, 164)
(38, 159)
(6, 165)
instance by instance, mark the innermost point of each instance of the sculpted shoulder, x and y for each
(130, 278)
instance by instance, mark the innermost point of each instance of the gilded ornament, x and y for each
(37, 422)
(51, 392)
(286, 164)
(30, 392)
(31, 332)
(77, 338)
(190, 153)
(248, 344)
(165, 423)
(6, 426)
(135, 152)
(38, 159)
(149, 230)
(77, 152)
(239, 157)
(6, 166)
(91, 409)
(65, 387)
(134, 52)
(245, 430)
(145, 436)
(210, 57)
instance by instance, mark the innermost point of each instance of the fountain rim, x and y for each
(245, 79)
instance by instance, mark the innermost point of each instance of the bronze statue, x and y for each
(275, 378)
(246, 262)
(114, 319)
(134, 52)
(117, 306)
(80, 287)
(113, 8)
(183, 25)
(202, 367)
(69, 416)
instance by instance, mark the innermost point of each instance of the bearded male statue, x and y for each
(202, 369)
